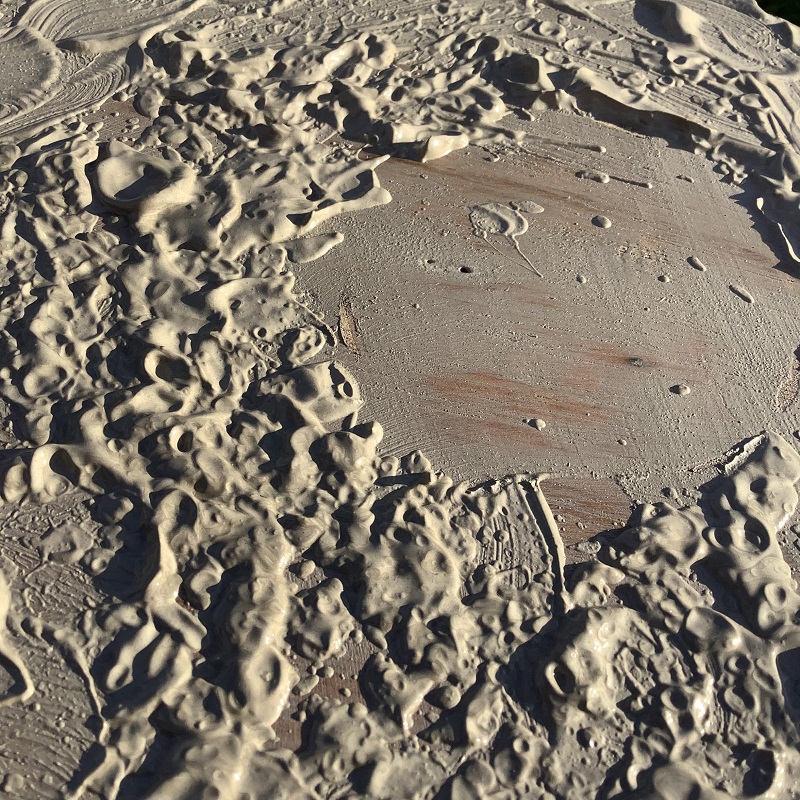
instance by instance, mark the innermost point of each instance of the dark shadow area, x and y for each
(788, 9)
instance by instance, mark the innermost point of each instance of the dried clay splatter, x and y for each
(495, 219)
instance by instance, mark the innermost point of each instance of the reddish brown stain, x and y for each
(508, 394)
(598, 505)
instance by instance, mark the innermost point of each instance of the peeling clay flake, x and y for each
(527, 207)
(217, 581)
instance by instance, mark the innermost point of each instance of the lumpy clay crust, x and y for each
(184, 447)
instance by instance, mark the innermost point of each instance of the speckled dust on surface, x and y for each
(300, 303)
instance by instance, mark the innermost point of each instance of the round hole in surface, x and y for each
(564, 679)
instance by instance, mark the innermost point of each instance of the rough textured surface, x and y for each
(219, 581)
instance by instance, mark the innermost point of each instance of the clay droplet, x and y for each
(742, 293)
(592, 175)
(695, 262)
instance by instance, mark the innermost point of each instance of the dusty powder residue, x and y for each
(159, 358)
